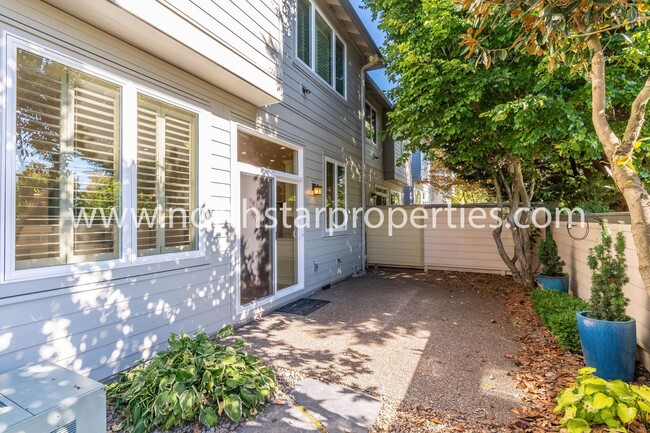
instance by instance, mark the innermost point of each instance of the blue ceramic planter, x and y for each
(609, 347)
(553, 283)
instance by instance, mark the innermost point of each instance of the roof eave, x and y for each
(353, 25)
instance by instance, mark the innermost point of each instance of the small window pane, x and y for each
(67, 164)
(335, 193)
(166, 177)
(304, 31)
(324, 37)
(259, 152)
(330, 195)
(340, 193)
(340, 67)
(371, 123)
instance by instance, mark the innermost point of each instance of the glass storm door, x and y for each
(271, 187)
(256, 240)
(287, 235)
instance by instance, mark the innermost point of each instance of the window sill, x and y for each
(317, 80)
(24, 282)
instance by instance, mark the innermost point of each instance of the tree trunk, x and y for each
(521, 264)
(620, 152)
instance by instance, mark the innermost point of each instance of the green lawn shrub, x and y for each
(558, 312)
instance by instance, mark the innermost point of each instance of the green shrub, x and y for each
(552, 263)
(558, 312)
(195, 379)
(608, 276)
(595, 401)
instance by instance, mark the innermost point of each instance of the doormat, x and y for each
(303, 307)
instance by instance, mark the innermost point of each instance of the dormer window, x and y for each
(319, 46)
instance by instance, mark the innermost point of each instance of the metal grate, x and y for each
(303, 307)
(68, 428)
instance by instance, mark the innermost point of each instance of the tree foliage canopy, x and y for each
(481, 118)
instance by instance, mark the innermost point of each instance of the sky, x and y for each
(379, 75)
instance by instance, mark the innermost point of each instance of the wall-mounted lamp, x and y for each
(316, 189)
(305, 91)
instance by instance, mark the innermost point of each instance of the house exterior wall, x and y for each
(98, 321)
(378, 164)
(235, 45)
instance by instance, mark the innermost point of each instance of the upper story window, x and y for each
(319, 46)
(371, 122)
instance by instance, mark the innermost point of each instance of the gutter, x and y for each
(364, 68)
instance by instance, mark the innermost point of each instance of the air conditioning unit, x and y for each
(46, 398)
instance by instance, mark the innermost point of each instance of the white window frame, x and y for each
(382, 192)
(238, 168)
(337, 163)
(400, 194)
(127, 259)
(312, 46)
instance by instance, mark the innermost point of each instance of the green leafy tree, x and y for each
(608, 276)
(510, 128)
(598, 38)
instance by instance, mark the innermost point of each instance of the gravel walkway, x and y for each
(438, 342)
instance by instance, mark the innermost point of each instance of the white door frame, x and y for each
(297, 179)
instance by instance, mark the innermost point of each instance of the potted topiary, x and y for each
(607, 334)
(552, 276)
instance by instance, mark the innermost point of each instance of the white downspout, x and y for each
(364, 68)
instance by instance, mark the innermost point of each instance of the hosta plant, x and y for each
(593, 401)
(195, 379)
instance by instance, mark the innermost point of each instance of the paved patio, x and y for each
(434, 340)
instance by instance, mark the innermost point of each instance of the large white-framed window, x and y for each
(335, 196)
(76, 149)
(320, 47)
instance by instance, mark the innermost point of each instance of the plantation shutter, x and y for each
(67, 159)
(303, 17)
(166, 170)
(38, 180)
(147, 179)
(324, 40)
(340, 66)
(178, 180)
(95, 166)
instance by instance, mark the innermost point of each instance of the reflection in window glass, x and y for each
(166, 172)
(324, 37)
(340, 67)
(67, 163)
(303, 17)
(259, 152)
(371, 123)
(335, 193)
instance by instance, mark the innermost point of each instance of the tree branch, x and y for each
(635, 122)
(599, 100)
